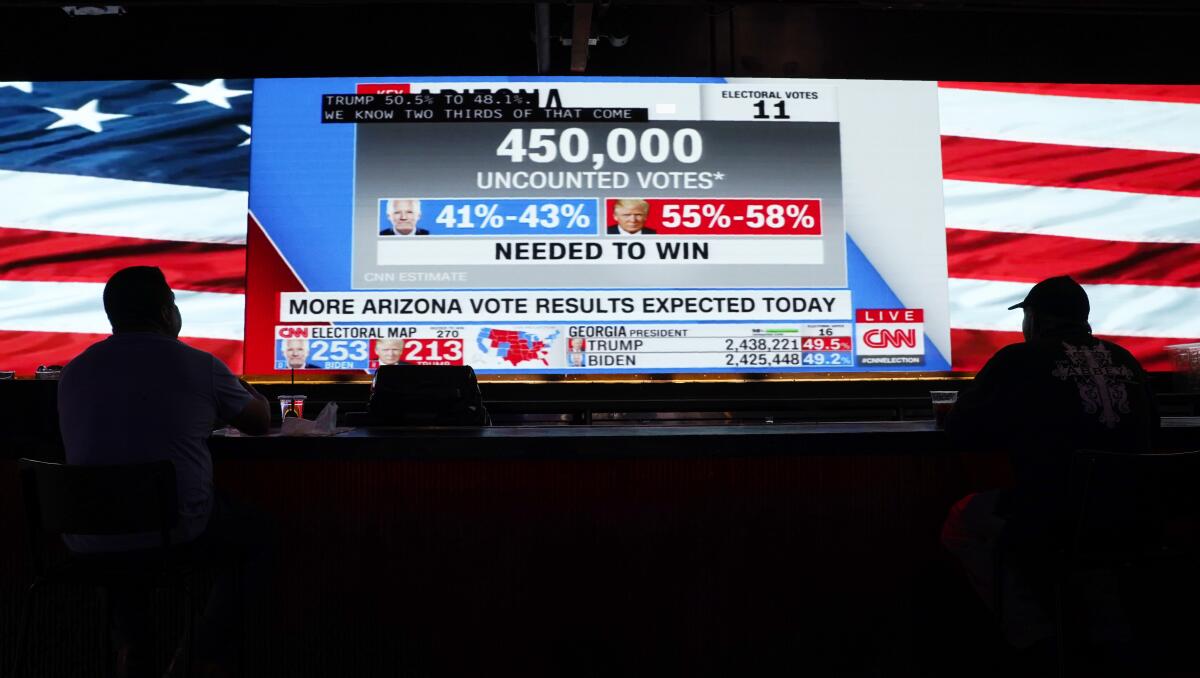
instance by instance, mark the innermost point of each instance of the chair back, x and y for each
(98, 500)
(1133, 503)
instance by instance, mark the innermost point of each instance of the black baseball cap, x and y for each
(1060, 295)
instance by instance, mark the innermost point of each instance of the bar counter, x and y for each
(609, 549)
(592, 442)
(678, 440)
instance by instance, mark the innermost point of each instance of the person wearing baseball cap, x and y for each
(1060, 390)
(1059, 302)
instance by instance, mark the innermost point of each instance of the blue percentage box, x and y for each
(489, 216)
(826, 359)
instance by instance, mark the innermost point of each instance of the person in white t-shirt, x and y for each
(142, 395)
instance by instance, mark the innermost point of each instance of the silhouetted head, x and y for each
(138, 299)
(1054, 304)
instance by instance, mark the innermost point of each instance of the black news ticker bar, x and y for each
(377, 112)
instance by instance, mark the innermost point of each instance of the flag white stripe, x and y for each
(1074, 121)
(1125, 310)
(117, 207)
(1074, 212)
(79, 307)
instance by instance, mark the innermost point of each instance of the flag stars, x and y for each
(26, 87)
(246, 129)
(215, 93)
(87, 116)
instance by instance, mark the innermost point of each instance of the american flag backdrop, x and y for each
(96, 176)
(1098, 181)
(1101, 182)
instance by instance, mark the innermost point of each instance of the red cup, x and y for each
(291, 406)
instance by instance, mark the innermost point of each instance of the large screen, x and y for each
(99, 175)
(598, 226)
(595, 225)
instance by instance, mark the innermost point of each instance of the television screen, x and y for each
(99, 175)
(1100, 182)
(597, 226)
(591, 226)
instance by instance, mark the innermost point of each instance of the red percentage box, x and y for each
(414, 351)
(825, 344)
(716, 216)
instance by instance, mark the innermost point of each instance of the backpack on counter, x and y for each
(426, 395)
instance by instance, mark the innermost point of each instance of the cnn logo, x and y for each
(883, 338)
(293, 332)
(889, 332)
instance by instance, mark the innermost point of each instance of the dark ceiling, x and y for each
(1042, 40)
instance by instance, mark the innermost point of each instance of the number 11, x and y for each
(761, 105)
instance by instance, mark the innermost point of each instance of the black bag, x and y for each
(426, 395)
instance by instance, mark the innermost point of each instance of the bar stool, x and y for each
(1127, 513)
(103, 500)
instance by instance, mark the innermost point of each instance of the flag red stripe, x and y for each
(271, 276)
(1189, 94)
(50, 256)
(1109, 169)
(972, 348)
(1019, 257)
(24, 351)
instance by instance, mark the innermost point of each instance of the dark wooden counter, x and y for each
(591, 442)
(29, 421)
(613, 441)
(625, 442)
